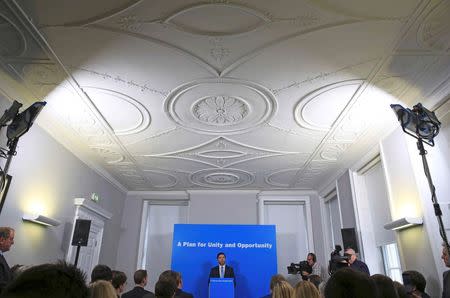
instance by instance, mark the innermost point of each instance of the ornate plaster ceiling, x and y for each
(256, 94)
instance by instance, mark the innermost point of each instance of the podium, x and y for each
(221, 288)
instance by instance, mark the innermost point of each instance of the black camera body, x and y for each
(337, 261)
(299, 268)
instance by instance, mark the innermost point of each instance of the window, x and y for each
(391, 262)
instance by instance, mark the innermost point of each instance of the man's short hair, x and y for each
(139, 276)
(118, 278)
(101, 272)
(172, 276)
(220, 253)
(48, 281)
(164, 289)
(5, 232)
(350, 283)
(417, 279)
(313, 255)
(277, 278)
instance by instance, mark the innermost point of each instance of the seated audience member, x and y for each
(354, 263)
(119, 281)
(306, 289)
(385, 286)
(349, 283)
(101, 272)
(415, 283)
(273, 281)
(164, 289)
(102, 289)
(140, 280)
(175, 278)
(48, 281)
(315, 279)
(401, 290)
(282, 289)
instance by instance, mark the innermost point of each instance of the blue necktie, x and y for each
(221, 271)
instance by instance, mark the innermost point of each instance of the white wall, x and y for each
(223, 207)
(47, 176)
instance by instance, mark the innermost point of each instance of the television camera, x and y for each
(299, 268)
(337, 261)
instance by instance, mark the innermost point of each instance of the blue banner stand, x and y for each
(221, 288)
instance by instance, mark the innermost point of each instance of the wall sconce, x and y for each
(40, 219)
(403, 223)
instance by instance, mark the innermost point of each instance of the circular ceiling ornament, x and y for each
(220, 110)
(230, 106)
(224, 178)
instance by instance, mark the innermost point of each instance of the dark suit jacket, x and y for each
(229, 273)
(138, 292)
(5, 273)
(182, 294)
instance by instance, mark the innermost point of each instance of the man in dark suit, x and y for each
(140, 279)
(222, 270)
(175, 278)
(6, 240)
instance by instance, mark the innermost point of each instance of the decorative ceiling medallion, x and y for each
(319, 109)
(124, 114)
(434, 33)
(223, 19)
(231, 107)
(16, 44)
(220, 110)
(224, 178)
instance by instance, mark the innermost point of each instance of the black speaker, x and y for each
(349, 239)
(81, 232)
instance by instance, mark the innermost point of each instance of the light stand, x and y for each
(423, 125)
(20, 124)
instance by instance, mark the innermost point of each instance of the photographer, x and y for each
(354, 263)
(316, 268)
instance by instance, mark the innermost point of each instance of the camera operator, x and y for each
(316, 268)
(354, 263)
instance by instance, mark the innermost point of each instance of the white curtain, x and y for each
(158, 238)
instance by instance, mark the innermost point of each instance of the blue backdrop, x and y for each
(249, 249)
